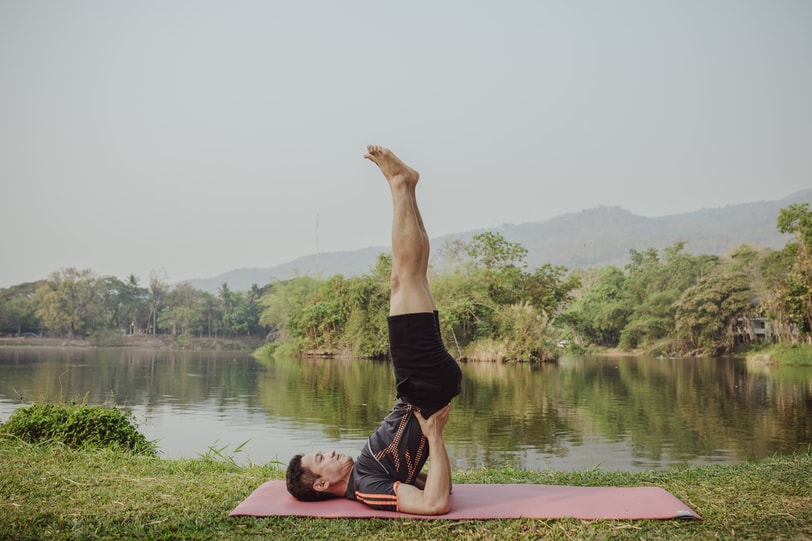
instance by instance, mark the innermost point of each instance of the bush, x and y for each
(78, 426)
(783, 354)
(107, 338)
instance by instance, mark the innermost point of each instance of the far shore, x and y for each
(798, 355)
(164, 341)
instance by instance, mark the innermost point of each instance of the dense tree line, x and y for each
(673, 302)
(492, 306)
(487, 299)
(78, 303)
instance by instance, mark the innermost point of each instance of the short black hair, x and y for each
(300, 481)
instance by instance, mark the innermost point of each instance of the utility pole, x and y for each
(318, 253)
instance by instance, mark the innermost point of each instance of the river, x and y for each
(610, 413)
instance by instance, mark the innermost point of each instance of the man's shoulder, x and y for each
(368, 476)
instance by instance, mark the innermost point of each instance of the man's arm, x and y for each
(434, 498)
(420, 481)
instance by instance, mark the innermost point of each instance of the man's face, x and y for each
(331, 467)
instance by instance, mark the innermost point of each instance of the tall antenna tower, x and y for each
(318, 253)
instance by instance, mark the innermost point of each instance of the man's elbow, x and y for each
(442, 509)
(420, 502)
(438, 507)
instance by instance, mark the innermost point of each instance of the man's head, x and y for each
(318, 476)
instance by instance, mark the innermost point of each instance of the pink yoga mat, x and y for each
(479, 502)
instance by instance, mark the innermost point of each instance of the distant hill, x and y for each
(591, 238)
(351, 263)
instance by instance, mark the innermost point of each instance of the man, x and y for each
(388, 473)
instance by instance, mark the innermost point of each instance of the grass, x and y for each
(54, 492)
(783, 354)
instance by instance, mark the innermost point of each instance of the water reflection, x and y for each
(584, 412)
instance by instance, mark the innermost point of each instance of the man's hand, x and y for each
(434, 425)
(434, 498)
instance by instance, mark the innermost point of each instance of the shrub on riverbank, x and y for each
(783, 354)
(54, 492)
(77, 426)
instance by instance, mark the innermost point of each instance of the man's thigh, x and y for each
(426, 375)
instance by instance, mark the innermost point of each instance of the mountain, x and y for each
(591, 238)
(349, 263)
(604, 235)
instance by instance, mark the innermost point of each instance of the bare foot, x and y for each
(395, 171)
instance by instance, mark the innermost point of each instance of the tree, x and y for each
(489, 298)
(797, 220)
(227, 300)
(708, 313)
(243, 319)
(641, 307)
(183, 311)
(492, 252)
(254, 293)
(282, 300)
(466, 309)
(322, 318)
(452, 256)
(212, 316)
(550, 289)
(70, 302)
(524, 331)
(792, 294)
(157, 291)
(125, 303)
(650, 321)
(368, 303)
(500, 264)
(654, 283)
(602, 311)
(17, 308)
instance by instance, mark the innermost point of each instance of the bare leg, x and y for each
(410, 242)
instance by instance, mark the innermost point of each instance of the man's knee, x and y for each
(394, 284)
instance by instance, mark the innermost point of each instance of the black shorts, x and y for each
(426, 375)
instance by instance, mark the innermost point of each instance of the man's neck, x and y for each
(340, 488)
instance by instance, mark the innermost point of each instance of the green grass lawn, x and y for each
(52, 492)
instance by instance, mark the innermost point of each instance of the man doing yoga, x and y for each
(388, 473)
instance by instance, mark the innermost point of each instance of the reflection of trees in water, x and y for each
(689, 408)
(512, 407)
(344, 396)
(669, 410)
(132, 377)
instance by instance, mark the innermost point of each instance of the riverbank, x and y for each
(50, 492)
(146, 342)
(771, 355)
(783, 354)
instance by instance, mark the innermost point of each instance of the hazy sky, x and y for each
(193, 137)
